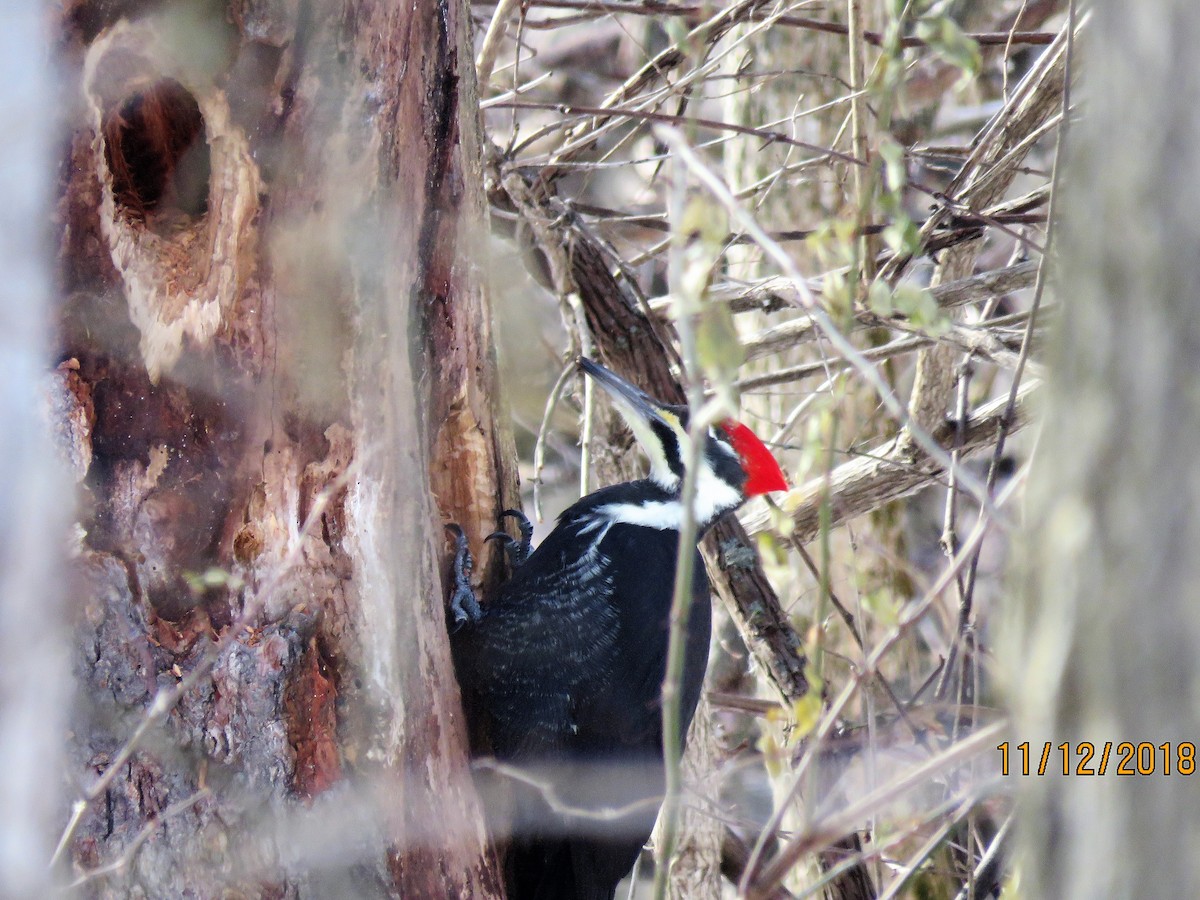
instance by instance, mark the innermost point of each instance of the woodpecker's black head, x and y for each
(735, 464)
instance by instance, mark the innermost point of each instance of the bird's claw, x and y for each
(518, 551)
(464, 608)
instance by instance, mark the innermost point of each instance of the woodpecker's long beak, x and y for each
(657, 428)
(633, 402)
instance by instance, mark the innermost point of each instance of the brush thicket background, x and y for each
(841, 129)
(302, 269)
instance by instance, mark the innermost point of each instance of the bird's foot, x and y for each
(518, 551)
(464, 608)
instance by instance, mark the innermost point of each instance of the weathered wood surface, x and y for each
(268, 219)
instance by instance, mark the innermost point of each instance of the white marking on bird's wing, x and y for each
(658, 514)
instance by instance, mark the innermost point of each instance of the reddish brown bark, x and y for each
(267, 220)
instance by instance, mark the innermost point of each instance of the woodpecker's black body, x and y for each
(566, 670)
(562, 670)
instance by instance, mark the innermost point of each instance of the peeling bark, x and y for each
(278, 380)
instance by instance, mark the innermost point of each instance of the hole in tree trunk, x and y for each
(159, 159)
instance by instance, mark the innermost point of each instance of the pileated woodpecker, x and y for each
(562, 669)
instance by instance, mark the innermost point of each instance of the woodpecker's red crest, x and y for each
(763, 474)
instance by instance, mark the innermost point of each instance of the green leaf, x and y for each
(952, 44)
(882, 606)
(845, 230)
(718, 348)
(214, 577)
(820, 236)
(704, 220)
(920, 308)
(902, 236)
(772, 749)
(879, 298)
(806, 713)
(838, 302)
(895, 170)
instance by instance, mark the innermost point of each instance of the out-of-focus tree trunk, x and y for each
(276, 334)
(1111, 621)
(33, 498)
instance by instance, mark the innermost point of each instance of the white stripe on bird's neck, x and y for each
(660, 467)
(713, 497)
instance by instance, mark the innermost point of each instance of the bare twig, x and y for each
(539, 447)
(972, 339)
(983, 179)
(710, 31)
(890, 471)
(914, 862)
(992, 164)
(701, 416)
(848, 619)
(869, 373)
(666, 8)
(127, 855)
(1027, 340)
(911, 616)
(166, 700)
(825, 831)
(989, 859)
(548, 791)
(486, 60)
(949, 539)
(775, 293)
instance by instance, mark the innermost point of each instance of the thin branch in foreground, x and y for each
(957, 209)
(776, 293)
(914, 862)
(913, 614)
(950, 296)
(979, 340)
(551, 797)
(709, 32)
(165, 700)
(992, 164)
(126, 858)
(987, 862)
(825, 831)
(539, 446)
(486, 60)
(702, 415)
(889, 472)
(874, 38)
(769, 137)
(780, 257)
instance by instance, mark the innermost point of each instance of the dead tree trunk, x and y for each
(1111, 624)
(276, 337)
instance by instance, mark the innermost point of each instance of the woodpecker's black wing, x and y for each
(543, 640)
(563, 673)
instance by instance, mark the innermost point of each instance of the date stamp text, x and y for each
(1087, 758)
